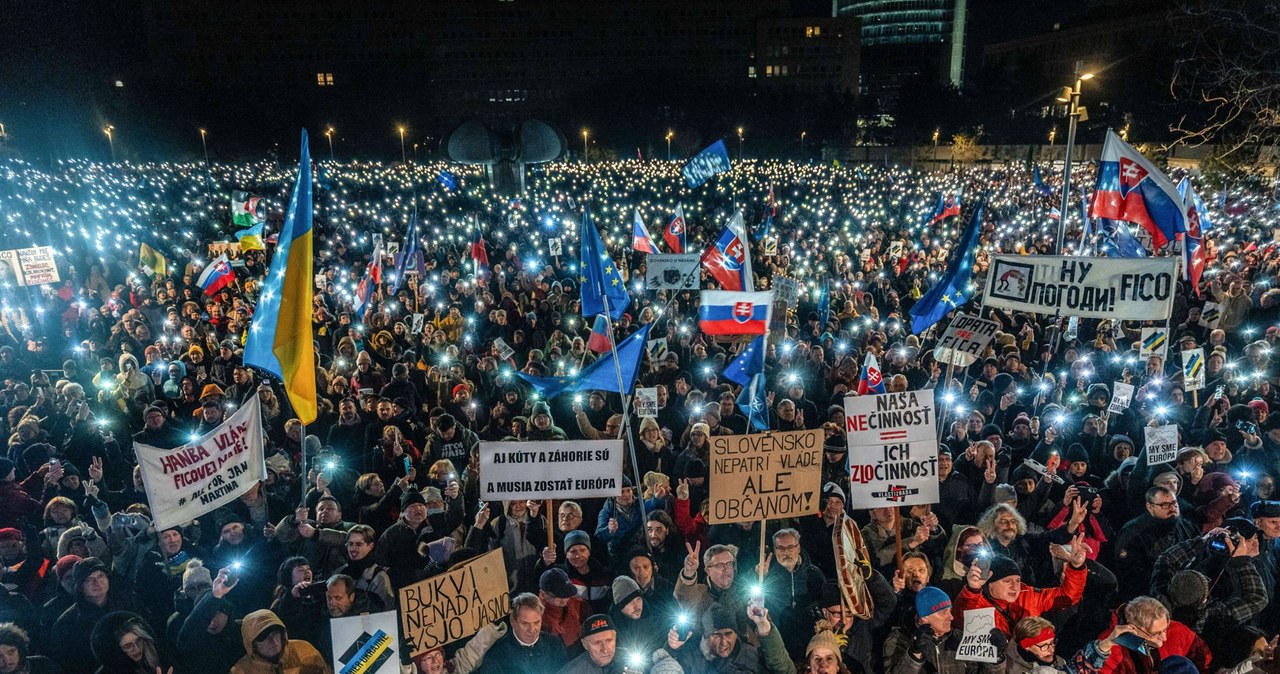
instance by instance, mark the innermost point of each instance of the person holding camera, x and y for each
(931, 643)
(1000, 585)
(1211, 583)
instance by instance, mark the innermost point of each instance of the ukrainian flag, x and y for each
(280, 337)
(151, 261)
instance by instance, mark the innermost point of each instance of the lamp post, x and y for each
(670, 134)
(404, 159)
(584, 146)
(936, 134)
(328, 133)
(740, 138)
(802, 137)
(205, 145)
(1075, 114)
(111, 140)
(1053, 134)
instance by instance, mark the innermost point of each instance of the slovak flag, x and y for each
(673, 233)
(735, 313)
(640, 236)
(946, 208)
(1131, 188)
(216, 276)
(729, 260)
(870, 381)
(1193, 256)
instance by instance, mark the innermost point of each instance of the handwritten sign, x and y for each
(765, 476)
(555, 470)
(965, 340)
(186, 482)
(893, 449)
(451, 606)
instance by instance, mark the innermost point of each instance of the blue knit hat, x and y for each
(576, 537)
(930, 600)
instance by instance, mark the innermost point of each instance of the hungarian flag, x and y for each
(245, 209)
(870, 381)
(479, 255)
(600, 339)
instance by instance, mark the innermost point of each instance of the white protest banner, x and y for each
(1088, 287)
(30, 266)
(558, 470)
(554, 246)
(893, 449)
(1210, 315)
(1155, 341)
(672, 271)
(975, 645)
(786, 290)
(504, 350)
(188, 481)
(1193, 370)
(366, 644)
(965, 340)
(645, 402)
(1162, 443)
(1121, 396)
(765, 476)
(451, 606)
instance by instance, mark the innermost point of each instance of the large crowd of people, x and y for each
(1092, 559)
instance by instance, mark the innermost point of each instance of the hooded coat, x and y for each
(297, 657)
(105, 641)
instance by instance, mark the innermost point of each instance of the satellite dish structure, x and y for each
(505, 152)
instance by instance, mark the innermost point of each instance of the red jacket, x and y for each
(1032, 601)
(1179, 640)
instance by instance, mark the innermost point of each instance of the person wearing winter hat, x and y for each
(1034, 649)
(96, 596)
(931, 644)
(1231, 548)
(1000, 586)
(196, 580)
(16, 656)
(124, 643)
(587, 573)
(822, 654)
(398, 547)
(268, 648)
(722, 648)
(640, 629)
(542, 426)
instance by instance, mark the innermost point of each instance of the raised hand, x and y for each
(692, 561)
(682, 490)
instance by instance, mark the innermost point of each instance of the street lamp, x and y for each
(328, 133)
(1053, 133)
(670, 134)
(584, 146)
(1075, 113)
(205, 145)
(740, 137)
(403, 158)
(802, 135)
(111, 140)
(936, 134)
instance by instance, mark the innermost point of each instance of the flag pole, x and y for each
(624, 432)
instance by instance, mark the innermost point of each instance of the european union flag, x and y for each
(824, 303)
(709, 162)
(448, 181)
(599, 276)
(747, 370)
(1042, 188)
(601, 375)
(749, 363)
(1116, 240)
(408, 253)
(949, 292)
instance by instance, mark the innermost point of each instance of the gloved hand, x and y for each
(923, 642)
(999, 640)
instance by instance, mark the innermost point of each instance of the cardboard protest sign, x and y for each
(1162, 443)
(1193, 370)
(1155, 342)
(965, 340)
(1121, 396)
(1110, 288)
(451, 606)
(765, 476)
(366, 644)
(975, 645)
(645, 402)
(214, 470)
(556, 470)
(893, 449)
(672, 271)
